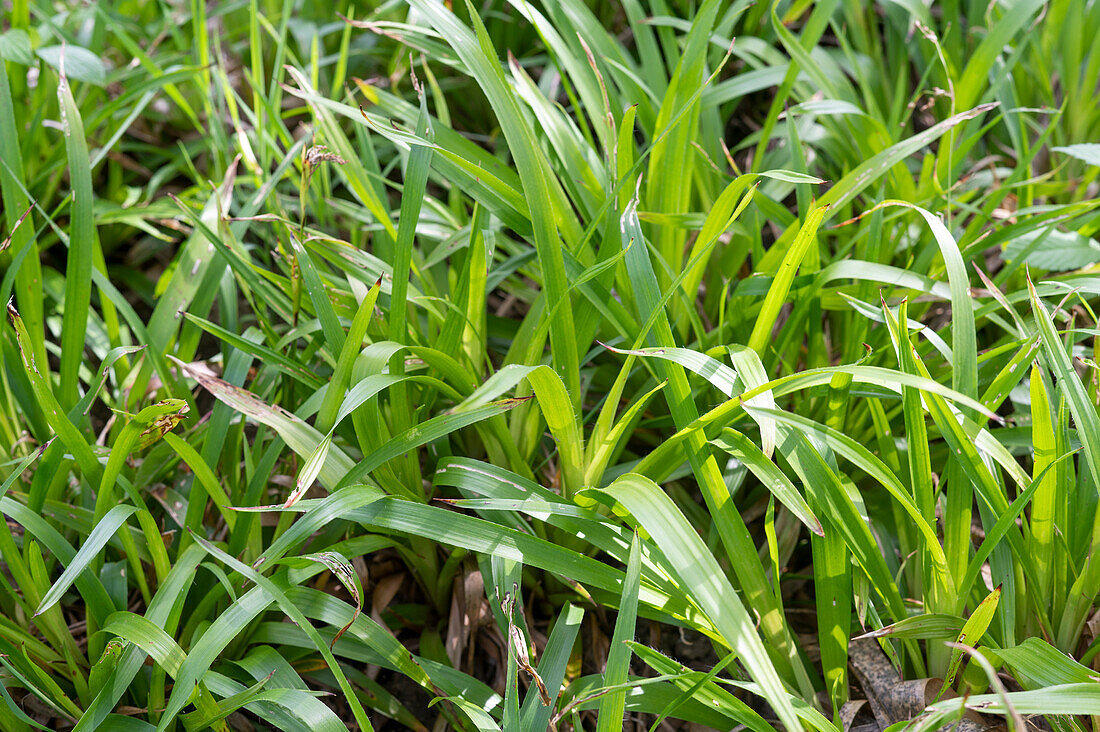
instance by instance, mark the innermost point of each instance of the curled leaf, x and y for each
(341, 568)
(519, 646)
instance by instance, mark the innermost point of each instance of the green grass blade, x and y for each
(972, 632)
(781, 285)
(103, 531)
(697, 568)
(82, 246)
(772, 478)
(341, 377)
(24, 249)
(613, 705)
(477, 53)
(555, 657)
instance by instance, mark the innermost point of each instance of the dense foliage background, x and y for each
(516, 363)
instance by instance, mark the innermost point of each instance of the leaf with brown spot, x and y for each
(341, 568)
(303, 439)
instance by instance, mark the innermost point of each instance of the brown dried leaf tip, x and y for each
(320, 154)
(165, 423)
(520, 647)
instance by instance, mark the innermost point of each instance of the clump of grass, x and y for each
(476, 341)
